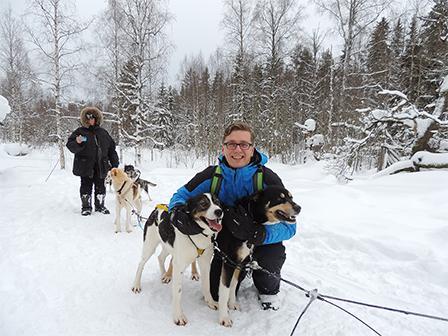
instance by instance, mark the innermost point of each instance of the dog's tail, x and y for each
(152, 184)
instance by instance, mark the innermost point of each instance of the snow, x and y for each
(381, 241)
(16, 149)
(4, 108)
(427, 158)
(394, 93)
(444, 86)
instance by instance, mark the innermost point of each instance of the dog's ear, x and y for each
(113, 172)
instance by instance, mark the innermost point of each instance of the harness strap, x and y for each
(199, 250)
(257, 180)
(216, 181)
(121, 189)
(162, 207)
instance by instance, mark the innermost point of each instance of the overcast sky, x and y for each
(196, 25)
(195, 28)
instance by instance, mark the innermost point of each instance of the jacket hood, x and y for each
(96, 113)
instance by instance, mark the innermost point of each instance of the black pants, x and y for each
(271, 257)
(88, 182)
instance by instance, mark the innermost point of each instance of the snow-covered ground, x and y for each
(382, 241)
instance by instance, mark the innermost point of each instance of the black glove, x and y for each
(242, 226)
(181, 220)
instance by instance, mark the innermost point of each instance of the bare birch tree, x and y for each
(277, 25)
(353, 18)
(54, 32)
(14, 62)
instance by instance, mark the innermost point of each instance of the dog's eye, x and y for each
(282, 195)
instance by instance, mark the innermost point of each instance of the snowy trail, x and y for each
(380, 241)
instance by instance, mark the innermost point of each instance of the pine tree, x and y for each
(127, 100)
(378, 59)
(325, 95)
(434, 49)
(412, 63)
(397, 51)
(163, 118)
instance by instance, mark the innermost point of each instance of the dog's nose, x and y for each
(296, 208)
(218, 212)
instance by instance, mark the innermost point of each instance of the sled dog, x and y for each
(203, 210)
(127, 196)
(134, 174)
(270, 205)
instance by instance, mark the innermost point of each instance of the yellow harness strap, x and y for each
(162, 207)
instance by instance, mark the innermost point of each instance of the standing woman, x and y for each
(95, 153)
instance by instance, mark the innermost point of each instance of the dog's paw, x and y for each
(136, 289)
(180, 320)
(234, 306)
(166, 278)
(212, 304)
(195, 276)
(225, 321)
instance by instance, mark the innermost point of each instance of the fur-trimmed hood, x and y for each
(95, 111)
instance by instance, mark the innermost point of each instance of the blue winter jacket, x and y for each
(236, 183)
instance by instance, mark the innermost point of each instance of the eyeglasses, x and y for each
(234, 145)
(90, 116)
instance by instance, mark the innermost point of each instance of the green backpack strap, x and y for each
(258, 179)
(216, 181)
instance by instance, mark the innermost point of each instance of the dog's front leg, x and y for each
(178, 269)
(224, 294)
(232, 291)
(204, 267)
(128, 219)
(117, 216)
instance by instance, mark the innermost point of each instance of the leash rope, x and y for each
(312, 295)
(323, 298)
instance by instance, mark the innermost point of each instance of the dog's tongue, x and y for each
(214, 224)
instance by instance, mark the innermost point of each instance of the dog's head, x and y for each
(274, 204)
(131, 171)
(206, 211)
(118, 176)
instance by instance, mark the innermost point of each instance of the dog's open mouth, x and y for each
(285, 217)
(214, 224)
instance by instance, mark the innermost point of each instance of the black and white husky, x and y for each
(134, 174)
(270, 205)
(205, 211)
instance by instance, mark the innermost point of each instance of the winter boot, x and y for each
(86, 201)
(99, 204)
(269, 302)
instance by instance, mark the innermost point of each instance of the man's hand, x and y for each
(242, 226)
(181, 220)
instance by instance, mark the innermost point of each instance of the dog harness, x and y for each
(162, 207)
(215, 187)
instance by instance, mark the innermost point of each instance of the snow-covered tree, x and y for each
(54, 30)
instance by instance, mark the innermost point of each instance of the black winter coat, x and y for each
(98, 151)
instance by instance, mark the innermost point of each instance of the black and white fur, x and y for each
(268, 206)
(206, 212)
(134, 174)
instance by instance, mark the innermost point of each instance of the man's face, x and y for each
(238, 157)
